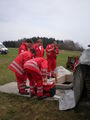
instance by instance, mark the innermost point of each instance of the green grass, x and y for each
(13, 107)
(63, 56)
(5, 74)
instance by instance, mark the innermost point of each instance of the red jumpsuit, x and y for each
(51, 52)
(39, 50)
(17, 67)
(36, 70)
(75, 64)
(22, 48)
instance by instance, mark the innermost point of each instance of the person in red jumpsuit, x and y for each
(36, 70)
(51, 53)
(17, 67)
(25, 46)
(39, 48)
(75, 64)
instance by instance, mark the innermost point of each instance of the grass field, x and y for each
(13, 107)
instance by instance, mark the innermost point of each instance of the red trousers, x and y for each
(35, 77)
(51, 66)
(21, 82)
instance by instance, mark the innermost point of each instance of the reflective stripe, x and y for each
(31, 87)
(31, 90)
(22, 87)
(43, 70)
(45, 78)
(16, 69)
(32, 65)
(18, 66)
(38, 88)
(50, 74)
(32, 61)
(38, 91)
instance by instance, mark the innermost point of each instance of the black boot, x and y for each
(41, 97)
(24, 93)
(27, 87)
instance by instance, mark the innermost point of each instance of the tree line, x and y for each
(62, 44)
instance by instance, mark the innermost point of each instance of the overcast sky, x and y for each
(61, 19)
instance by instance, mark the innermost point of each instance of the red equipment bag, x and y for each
(49, 89)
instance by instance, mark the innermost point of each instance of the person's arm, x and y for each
(49, 48)
(56, 50)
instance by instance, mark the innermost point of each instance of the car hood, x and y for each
(4, 49)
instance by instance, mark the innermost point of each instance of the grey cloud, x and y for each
(67, 19)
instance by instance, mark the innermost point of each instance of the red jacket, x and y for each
(22, 48)
(38, 65)
(17, 65)
(75, 64)
(39, 50)
(52, 51)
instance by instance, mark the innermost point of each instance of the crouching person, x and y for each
(17, 67)
(36, 70)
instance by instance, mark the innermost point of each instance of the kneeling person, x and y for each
(36, 70)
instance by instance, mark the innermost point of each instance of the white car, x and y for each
(3, 49)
